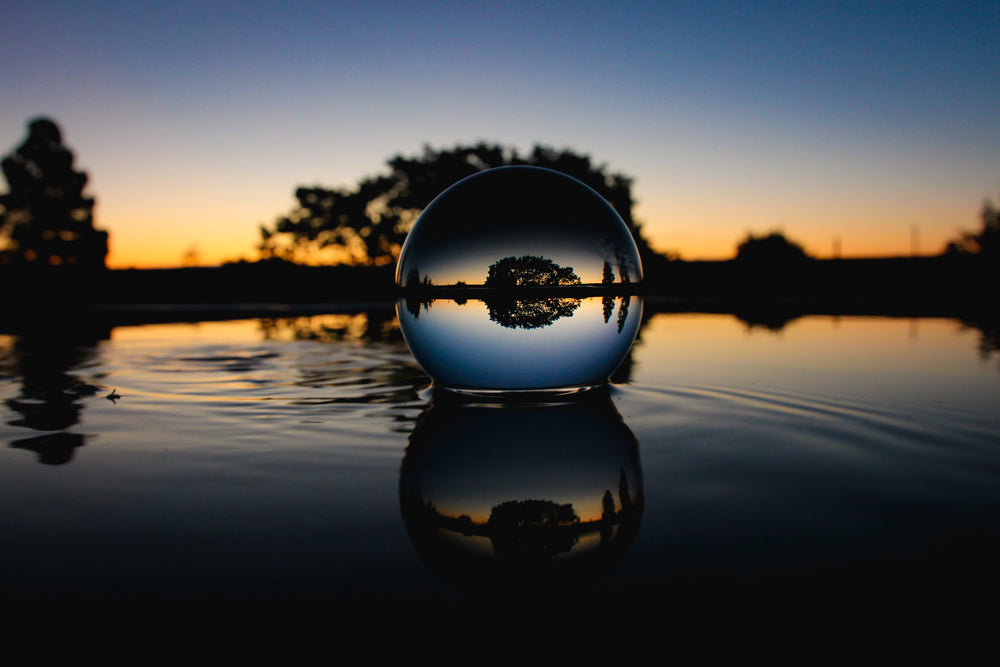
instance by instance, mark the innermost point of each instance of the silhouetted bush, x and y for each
(985, 242)
(772, 248)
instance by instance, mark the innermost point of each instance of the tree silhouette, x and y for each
(368, 224)
(608, 276)
(532, 530)
(772, 248)
(45, 218)
(985, 242)
(527, 312)
(360, 224)
(529, 271)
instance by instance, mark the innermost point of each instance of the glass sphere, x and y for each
(519, 278)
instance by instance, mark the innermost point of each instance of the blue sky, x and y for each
(854, 121)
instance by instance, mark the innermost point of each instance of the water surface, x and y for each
(273, 461)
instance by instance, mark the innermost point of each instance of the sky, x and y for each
(871, 127)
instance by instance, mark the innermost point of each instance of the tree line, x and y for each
(46, 217)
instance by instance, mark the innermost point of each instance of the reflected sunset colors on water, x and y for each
(724, 454)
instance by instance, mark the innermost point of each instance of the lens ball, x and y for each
(519, 279)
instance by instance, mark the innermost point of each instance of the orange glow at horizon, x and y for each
(157, 256)
(691, 242)
(697, 227)
(874, 231)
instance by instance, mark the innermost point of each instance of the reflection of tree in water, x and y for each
(414, 304)
(532, 529)
(529, 313)
(988, 326)
(477, 527)
(609, 307)
(375, 325)
(45, 357)
(507, 302)
(414, 301)
(529, 271)
(773, 318)
(52, 448)
(377, 378)
(622, 313)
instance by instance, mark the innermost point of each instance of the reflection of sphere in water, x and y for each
(521, 498)
(529, 244)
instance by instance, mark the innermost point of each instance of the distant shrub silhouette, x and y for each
(986, 241)
(772, 248)
(368, 224)
(45, 218)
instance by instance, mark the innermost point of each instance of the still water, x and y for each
(305, 459)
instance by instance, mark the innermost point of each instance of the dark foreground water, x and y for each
(841, 465)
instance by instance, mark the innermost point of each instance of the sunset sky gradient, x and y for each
(869, 125)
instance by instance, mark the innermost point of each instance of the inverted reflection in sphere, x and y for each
(519, 278)
(521, 499)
